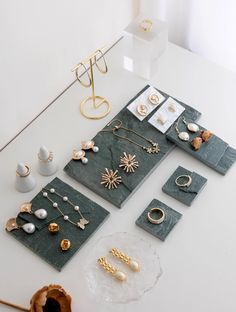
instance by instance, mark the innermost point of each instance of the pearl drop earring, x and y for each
(39, 213)
(87, 145)
(12, 225)
(79, 155)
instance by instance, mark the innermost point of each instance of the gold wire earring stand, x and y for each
(97, 101)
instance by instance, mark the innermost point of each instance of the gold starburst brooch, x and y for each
(110, 179)
(128, 163)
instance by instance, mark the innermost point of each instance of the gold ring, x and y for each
(160, 212)
(24, 175)
(50, 158)
(183, 180)
(146, 25)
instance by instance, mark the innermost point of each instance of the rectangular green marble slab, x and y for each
(161, 230)
(186, 195)
(47, 245)
(215, 153)
(111, 148)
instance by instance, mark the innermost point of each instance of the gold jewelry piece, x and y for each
(39, 213)
(206, 135)
(183, 180)
(192, 127)
(119, 275)
(154, 98)
(160, 212)
(153, 149)
(79, 155)
(53, 228)
(110, 179)
(133, 265)
(162, 119)
(50, 158)
(81, 223)
(102, 70)
(128, 162)
(65, 244)
(142, 109)
(87, 145)
(182, 135)
(87, 85)
(196, 143)
(146, 25)
(12, 225)
(25, 174)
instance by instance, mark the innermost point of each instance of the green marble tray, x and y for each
(47, 245)
(161, 230)
(216, 153)
(111, 148)
(186, 195)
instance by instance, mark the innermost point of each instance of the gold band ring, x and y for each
(146, 25)
(183, 180)
(158, 211)
(24, 175)
(50, 158)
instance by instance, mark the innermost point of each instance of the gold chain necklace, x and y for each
(153, 149)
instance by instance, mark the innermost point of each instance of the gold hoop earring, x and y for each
(102, 70)
(87, 85)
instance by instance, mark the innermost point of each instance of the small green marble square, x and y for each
(47, 245)
(163, 229)
(186, 195)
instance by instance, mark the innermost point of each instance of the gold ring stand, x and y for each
(96, 100)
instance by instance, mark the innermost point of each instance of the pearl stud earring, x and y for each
(79, 155)
(87, 145)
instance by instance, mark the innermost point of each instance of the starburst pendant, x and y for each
(128, 163)
(110, 179)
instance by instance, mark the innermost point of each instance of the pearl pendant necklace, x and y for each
(82, 221)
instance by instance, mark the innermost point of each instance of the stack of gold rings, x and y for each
(160, 215)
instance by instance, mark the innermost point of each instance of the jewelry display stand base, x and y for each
(215, 153)
(186, 195)
(111, 148)
(104, 287)
(47, 245)
(163, 229)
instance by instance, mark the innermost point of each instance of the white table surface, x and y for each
(198, 257)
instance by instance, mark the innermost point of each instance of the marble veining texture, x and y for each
(111, 148)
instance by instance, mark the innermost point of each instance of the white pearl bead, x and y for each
(76, 208)
(120, 276)
(45, 194)
(52, 190)
(65, 198)
(184, 136)
(95, 149)
(85, 160)
(134, 266)
(41, 214)
(28, 228)
(66, 218)
(55, 205)
(193, 127)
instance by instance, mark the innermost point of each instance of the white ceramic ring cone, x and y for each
(46, 162)
(24, 182)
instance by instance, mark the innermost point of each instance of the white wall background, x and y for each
(206, 27)
(40, 42)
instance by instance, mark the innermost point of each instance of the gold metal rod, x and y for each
(14, 306)
(92, 82)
